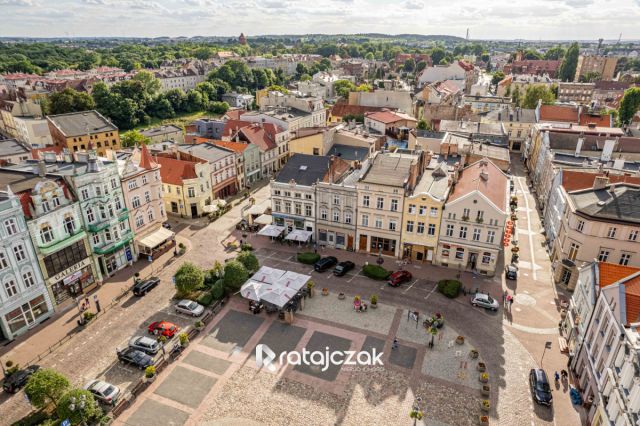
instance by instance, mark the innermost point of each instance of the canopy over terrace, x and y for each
(299, 235)
(156, 242)
(264, 219)
(273, 286)
(272, 231)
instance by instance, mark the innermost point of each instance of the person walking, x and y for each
(395, 343)
(557, 377)
(510, 302)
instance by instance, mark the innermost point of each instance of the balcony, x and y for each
(114, 246)
(59, 245)
(99, 226)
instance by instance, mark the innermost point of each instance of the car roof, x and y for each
(144, 339)
(98, 385)
(541, 376)
(482, 296)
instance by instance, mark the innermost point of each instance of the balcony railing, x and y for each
(114, 246)
(99, 226)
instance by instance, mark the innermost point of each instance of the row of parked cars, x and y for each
(341, 268)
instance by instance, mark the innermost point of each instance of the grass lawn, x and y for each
(180, 120)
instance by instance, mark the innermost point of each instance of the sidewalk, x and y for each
(27, 348)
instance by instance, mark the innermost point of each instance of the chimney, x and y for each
(600, 182)
(42, 168)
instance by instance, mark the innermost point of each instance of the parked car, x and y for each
(325, 263)
(540, 388)
(164, 328)
(484, 301)
(166, 225)
(399, 277)
(343, 267)
(145, 344)
(17, 380)
(135, 357)
(143, 287)
(104, 392)
(189, 307)
(511, 272)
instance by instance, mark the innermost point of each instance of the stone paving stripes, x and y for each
(373, 342)
(281, 337)
(233, 331)
(185, 386)
(152, 412)
(207, 362)
(403, 356)
(319, 342)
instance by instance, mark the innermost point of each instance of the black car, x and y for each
(142, 287)
(135, 357)
(325, 263)
(343, 267)
(17, 380)
(540, 388)
(511, 272)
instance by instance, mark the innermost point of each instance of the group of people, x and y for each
(85, 305)
(563, 373)
(507, 300)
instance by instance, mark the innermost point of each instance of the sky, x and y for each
(486, 19)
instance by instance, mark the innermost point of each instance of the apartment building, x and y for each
(33, 131)
(383, 122)
(579, 93)
(539, 67)
(164, 133)
(273, 142)
(517, 122)
(24, 300)
(222, 162)
(475, 215)
(83, 131)
(249, 168)
(186, 185)
(484, 104)
(603, 67)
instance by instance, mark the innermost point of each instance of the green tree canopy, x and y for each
(409, 65)
(570, 63)
(85, 407)
(149, 82)
(133, 138)
(437, 55)
(629, 105)
(535, 93)
(45, 387)
(249, 260)
(189, 278)
(69, 100)
(343, 87)
(422, 124)
(498, 76)
(235, 274)
(555, 53)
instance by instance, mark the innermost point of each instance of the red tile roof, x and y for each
(232, 126)
(599, 120)
(342, 109)
(560, 113)
(174, 171)
(465, 65)
(611, 273)
(494, 187)
(146, 161)
(234, 114)
(385, 117)
(573, 180)
(264, 137)
(233, 146)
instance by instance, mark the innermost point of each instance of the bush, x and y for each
(308, 258)
(217, 291)
(375, 272)
(150, 371)
(205, 298)
(235, 274)
(249, 260)
(189, 278)
(246, 247)
(450, 288)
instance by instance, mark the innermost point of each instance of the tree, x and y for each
(178, 99)
(150, 83)
(531, 54)
(423, 125)
(235, 274)
(85, 407)
(498, 76)
(369, 56)
(570, 63)
(161, 107)
(301, 69)
(535, 93)
(555, 53)
(437, 55)
(629, 105)
(133, 138)
(409, 65)
(420, 66)
(218, 107)
(69, 100)
(196, 101)
(249, 260)
(45, 387)
(590, 77)
(343, 87)
(189, 278)
(516, 96)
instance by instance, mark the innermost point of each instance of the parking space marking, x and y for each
(431, 292)
(358, 273)
(409, 288)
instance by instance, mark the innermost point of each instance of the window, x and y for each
(147, 196)
(633, 235)
(123, 225)
(432, 229)
(90, 215)
(287, 193)
(276, 205)
(624, 259)
(85, 193)
(191, 192)
(611, 233)
(307, 210)
(69, 225)
(573, 251)
(28, 279)
(276, 192)
(336, 216)
(144, 181)
(378, 223)
(491, 236)
(55, 201)
(603, 256)
(96, 239)
(178, 190)
(298, 208)
(19, 252)
(336, 200)
(308, 197)
(580, 226)
(459, 253)
(480, 215)
(410, 226)
(420, 229)
(380, 203)
(45, 206)
(463, 232)
(46, 234)
(422, 211)
(3, 261)
(433, 212)
(365, 201)
(297, 195)
(65, 258)
(476, 234)
(287, 207)
(392, 225)
(486, 257)
(316, 151)
(466, 213)
(394, 205)
(449, 231)
(10, 226)
(107, 234)
(347, 218)
(11, 288)
(412, 208)
(323, 214)
(135, 202)
(365, 220)
(98, 191)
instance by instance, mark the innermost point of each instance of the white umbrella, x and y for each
(268, 275)
(271, 230)
(254, 290)
(293, 280)
(279, 296)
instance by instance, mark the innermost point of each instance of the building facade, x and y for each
(82, 131)
(186, 186)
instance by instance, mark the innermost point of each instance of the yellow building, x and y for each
(311, 141)
(423, 211)
(77, 130)
(186, 186)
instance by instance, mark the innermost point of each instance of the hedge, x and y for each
(217, 291)
(375, 272)
(308, 258)
(205, 298)
(450, 288)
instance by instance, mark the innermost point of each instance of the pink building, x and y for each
(142, 190)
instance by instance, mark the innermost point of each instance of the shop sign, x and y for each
(75, 268)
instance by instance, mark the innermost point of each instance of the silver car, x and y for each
(189, 307)
(484, 301)
(145, 344)
(104, 392)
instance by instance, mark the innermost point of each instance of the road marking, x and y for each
(409, 288)
(431, 292)
(351, 279)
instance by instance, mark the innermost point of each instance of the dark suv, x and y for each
(135, 357)
(343, 267)
(17, 380)
(325, 263)
(142, 287)
(540, 388)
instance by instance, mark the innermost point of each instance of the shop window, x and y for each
(459, 253)
(486, 258)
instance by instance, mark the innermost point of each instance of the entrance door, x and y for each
(363, 243)
(174, 207)
(472, 260)
(28, 315)
(350, 242)
(194, 210)
(429, 255)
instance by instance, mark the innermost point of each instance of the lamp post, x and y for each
(78, 406)
(547, 345)
(380, 260)
(416, 411)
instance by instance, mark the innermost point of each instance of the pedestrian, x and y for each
(564, 374)
(86, 300)
(395, 343)
(315, 248)
(510, 301)
(557, 377)
(504, 298)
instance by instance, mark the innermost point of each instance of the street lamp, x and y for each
(80, 406)
(547, 345)
(416, 411)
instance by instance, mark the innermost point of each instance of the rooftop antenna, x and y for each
(619, 39)
(467, 34)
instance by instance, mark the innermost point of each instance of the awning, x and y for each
(268, 275)
(299, 235)
(274, 286)
(156, 238)
(265, 219)
(271, 230)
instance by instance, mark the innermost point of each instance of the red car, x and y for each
(164, 328)
(399, 277)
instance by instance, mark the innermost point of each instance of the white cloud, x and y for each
(414, 4)
(17, 2)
